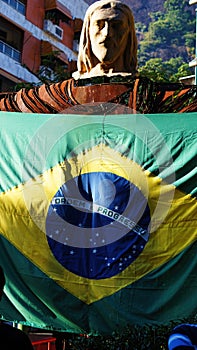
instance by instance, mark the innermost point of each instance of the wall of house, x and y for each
(76, 7)
(35, 12)
(68, 33)
(31, 52)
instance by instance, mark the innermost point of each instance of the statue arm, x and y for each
(44, 99)
(140, 94)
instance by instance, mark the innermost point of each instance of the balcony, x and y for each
(16, 5)
(10, 51)
(53, 29)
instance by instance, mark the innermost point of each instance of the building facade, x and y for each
(33, 30)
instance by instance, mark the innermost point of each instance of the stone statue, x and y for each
(107, 72)
(108, 43)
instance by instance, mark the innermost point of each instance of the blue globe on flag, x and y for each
(97, 224)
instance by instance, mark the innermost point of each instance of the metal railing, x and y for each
(17, 5)
(10, 51)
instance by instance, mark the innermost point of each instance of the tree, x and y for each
(168, 71)
(52, 70)
(171, 38)
(154, 69)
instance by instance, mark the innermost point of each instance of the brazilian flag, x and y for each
(98, 219)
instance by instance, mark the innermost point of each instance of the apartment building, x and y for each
(30, 30)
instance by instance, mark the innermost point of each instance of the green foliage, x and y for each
(133, 337)
(19, 86)
(182, 71)
(189, 43)
(52, 70)
(154, 69)
(167, 71)
(140, 27)
(173, 5)
(169, 43)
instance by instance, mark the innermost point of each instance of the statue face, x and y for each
(108, 34)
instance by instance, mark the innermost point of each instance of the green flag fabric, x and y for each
(98, 219)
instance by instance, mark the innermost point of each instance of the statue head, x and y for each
(108, 43)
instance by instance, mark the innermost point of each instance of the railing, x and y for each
(10, 51)
(43, 343)
(17, 5)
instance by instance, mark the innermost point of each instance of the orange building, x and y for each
(32, 29)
